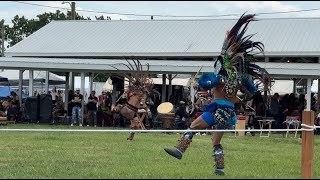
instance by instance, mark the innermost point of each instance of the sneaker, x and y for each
(71, 124)
(80, 124)
(95, 125)
(88, 125)
(174, 152)
(219, 172)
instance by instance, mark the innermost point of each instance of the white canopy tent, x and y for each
(38, 77)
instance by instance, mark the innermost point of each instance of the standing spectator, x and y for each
(301, 103)
(275, 109)
(70, 104)
(92, 108)
(258, 104)
(108, 100)
(60, 97)
(101, 98)
(77, 105)
(54, 95)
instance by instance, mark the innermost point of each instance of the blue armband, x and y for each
(208, 80)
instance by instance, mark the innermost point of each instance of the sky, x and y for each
(119, 9)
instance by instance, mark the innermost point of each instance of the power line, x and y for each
(158, 15)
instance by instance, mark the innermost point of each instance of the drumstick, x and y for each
(246, 104)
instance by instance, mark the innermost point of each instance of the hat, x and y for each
(77, 89)
(182, 102)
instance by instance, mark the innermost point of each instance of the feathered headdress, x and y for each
(139, 80)
(235, 64)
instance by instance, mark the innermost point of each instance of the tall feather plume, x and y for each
(237, 53)
(138, 77)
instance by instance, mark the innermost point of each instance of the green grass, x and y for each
(102, 155)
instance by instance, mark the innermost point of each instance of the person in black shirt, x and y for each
(92, 108)
(76, 107)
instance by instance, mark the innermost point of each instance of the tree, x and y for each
(23, 27)
(102, 18)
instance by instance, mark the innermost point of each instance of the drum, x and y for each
(165, 107)
(165, 111)
(167, 120)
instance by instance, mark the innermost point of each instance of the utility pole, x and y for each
(73, 17)
(73, 10)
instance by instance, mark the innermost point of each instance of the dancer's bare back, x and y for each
(220, 93)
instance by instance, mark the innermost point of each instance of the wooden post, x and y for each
(307, 146)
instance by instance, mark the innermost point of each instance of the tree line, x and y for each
(23, 27)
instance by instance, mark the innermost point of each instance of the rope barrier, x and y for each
(309, 128)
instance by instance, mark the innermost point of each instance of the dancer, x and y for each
(233, 71)
(139, 86)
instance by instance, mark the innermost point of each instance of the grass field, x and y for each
(101, 155)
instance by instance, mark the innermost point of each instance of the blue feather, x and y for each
(208, 80)
(249, 84)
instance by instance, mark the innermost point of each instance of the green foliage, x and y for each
(105, 155)
(102, 18)
(23, 27)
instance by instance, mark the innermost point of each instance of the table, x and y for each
(294, 121)
(264, 122)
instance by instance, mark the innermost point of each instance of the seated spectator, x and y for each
(58, 110)
(10, 111)
(2, 110)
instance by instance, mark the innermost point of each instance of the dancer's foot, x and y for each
(219, 172)
(174, 152)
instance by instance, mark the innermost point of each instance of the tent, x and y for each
(4, 81)
(39, 78)
(5, 92)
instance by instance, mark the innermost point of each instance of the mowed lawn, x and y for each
(105, 155)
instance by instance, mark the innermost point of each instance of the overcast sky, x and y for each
(8, 9)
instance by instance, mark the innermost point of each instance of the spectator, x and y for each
(54, 95)
(101, 98)
(15, 101)
(301, 104)
(58, 110)
(258, 104)
(70, 104)
(275, 109)
(108, 100)
(92, 109)
(76, 107)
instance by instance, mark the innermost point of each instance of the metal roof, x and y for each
(281, 37)
(103, 65)
(281, 70)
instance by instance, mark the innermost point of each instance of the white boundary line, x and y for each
(156, 130)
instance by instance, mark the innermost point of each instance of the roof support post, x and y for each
(164, 90)
(30, 83)
(82, 92)
(309, 94)
(170, 85)
(71, 80)
(66, 92)
(47, 83)
(192, 91)
(20, 85)
(91, 76)
(294, 86)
